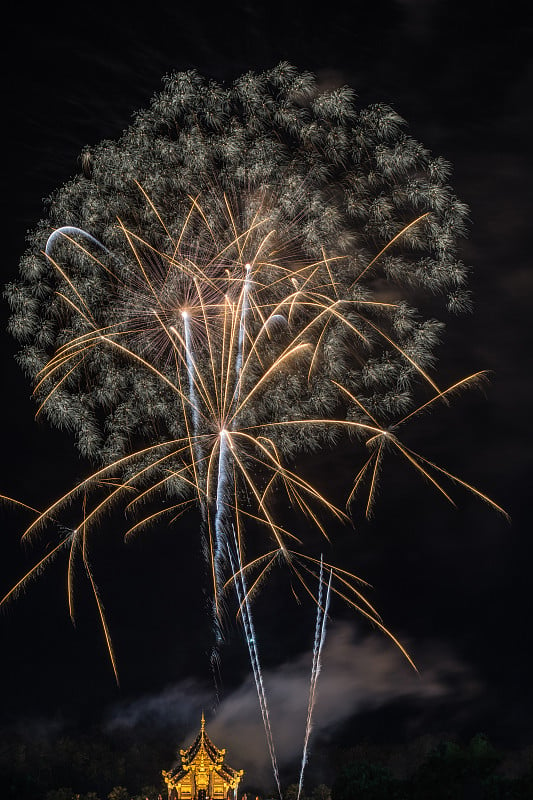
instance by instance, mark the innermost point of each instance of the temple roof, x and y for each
(203, 752)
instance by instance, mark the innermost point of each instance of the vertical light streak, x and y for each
(242, 330)
(223, 475)
(221, 540)
(193, 399)
(320, 636)
(251, 641)
(221, 507)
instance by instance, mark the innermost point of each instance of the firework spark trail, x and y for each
(196, 451)
(313, 673)
(191, 369)
(251, 641)
(320, 636)
(221, 515)
(223, 476)
(317, 624)
(242, 328)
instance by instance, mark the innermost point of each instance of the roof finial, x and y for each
(203, 722)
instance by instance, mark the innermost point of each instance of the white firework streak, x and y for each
(320, 636)
(251, 641)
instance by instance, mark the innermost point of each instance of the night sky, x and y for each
(453, 584)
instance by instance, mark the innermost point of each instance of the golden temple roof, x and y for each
(203, 755)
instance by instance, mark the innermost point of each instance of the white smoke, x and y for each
(357, 675)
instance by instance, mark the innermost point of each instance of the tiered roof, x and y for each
(203, 752)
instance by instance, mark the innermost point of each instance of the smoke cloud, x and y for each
(358, 675)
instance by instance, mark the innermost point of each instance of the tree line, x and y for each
(475, 770)
(100, 766)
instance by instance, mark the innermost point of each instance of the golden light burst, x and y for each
(235, 336)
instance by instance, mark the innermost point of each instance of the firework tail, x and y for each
(251, 641)
(221, 483)
(223, 476)
(320, 636)
(221, 512)
(223, 480)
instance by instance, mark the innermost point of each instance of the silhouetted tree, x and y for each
(365, 780)
(452, 772)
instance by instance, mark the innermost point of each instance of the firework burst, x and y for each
(227, 287)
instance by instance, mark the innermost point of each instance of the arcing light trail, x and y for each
(206, 304)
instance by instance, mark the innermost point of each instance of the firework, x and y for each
(227, 287)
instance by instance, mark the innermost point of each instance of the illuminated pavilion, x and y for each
(202, 773)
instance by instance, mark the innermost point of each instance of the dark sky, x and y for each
(453, 584)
